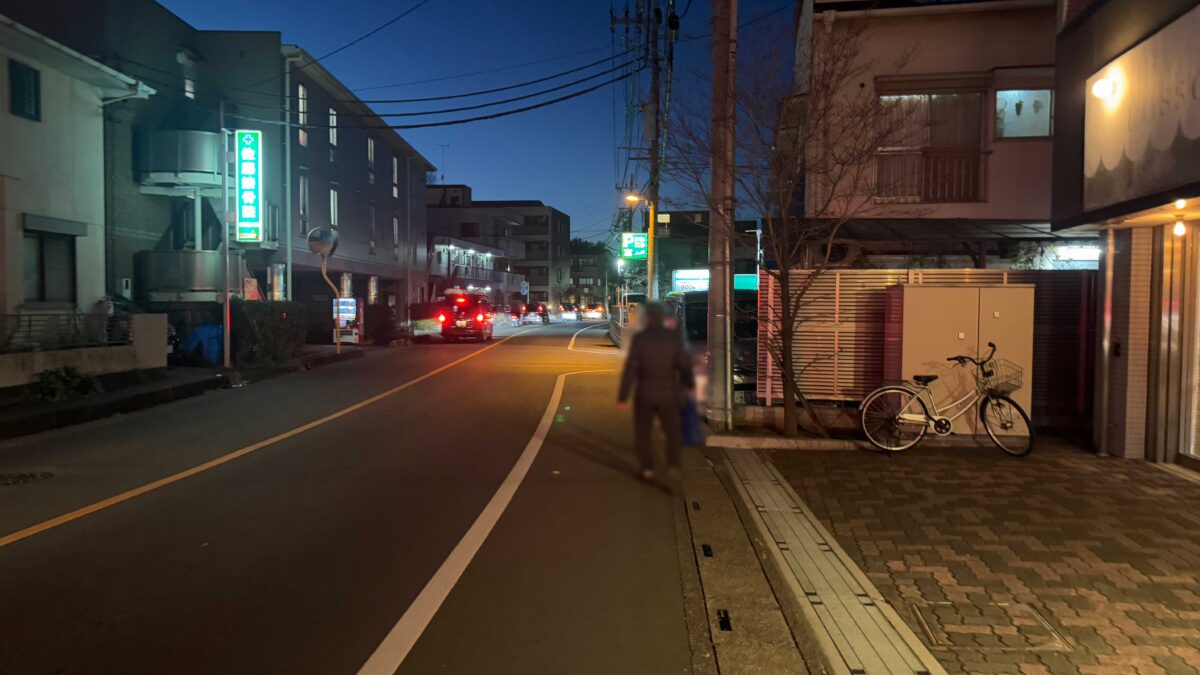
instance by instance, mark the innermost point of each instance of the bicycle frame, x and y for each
(967, 402)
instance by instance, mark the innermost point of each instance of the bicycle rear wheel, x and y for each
(894, 418)
(1007, 425)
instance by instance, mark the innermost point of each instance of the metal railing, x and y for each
(930, 175)
(61, 330)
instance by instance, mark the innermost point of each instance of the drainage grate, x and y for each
(22, 478)
(987, 626)
(723, 621)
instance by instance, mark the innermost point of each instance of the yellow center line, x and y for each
(224, 459)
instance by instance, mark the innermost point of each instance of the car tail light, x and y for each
(479, 318)
(460, 300)
(441, 318)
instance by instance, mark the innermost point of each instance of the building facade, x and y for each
(52, 140)
(1129, 88)
(451, 216)
(165, 186)
(964, 177)
(543, 234)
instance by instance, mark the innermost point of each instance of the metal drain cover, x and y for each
(987, 626)
(22, 478)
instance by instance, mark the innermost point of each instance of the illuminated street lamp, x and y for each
(633, 198)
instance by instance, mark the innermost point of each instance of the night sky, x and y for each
(562, 155)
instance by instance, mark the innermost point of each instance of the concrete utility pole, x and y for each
(653, 22)
(720, 373)
(227, 357)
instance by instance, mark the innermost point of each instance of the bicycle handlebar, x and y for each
(960, 360)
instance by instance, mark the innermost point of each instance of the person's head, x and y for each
(654, 313)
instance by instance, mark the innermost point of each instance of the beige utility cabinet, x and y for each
(926, 323)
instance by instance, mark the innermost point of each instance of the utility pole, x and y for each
(650, 17)
(226, 356)
(722, 216)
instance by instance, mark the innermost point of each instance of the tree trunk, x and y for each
(787, 327)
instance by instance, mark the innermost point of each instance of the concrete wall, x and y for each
(53, 168)
(147, 350)
(973, 41)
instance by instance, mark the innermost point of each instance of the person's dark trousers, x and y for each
(668, 415)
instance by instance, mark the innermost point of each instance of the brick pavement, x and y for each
(1061, 562)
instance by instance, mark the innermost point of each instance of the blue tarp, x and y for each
(208, 337)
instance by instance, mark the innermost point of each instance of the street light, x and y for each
(633, 198)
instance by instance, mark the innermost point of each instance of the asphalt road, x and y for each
(421, 508)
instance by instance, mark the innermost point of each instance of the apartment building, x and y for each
(164, 191)
(543, 231)
(965, 178)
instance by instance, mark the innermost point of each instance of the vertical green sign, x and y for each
(249, 185)
(635, 245)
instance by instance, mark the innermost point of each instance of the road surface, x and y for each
(459, 508)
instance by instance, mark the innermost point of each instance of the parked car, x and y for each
(465, 315)
(690, 310)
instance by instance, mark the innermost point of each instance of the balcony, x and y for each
(932, 175)
(181, 158)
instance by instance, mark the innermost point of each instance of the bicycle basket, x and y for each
(1001, 377)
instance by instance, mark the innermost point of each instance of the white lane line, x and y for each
(390, 653)
(571, 344)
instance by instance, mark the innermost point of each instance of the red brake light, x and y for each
(479, 318)
(460, 300)
(441, 318)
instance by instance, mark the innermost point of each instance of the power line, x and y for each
(481, 72)
(355, 41)
(313, 99)
(446, 123)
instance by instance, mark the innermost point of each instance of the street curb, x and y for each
(88, 411)
(836, 444)
(318, 360)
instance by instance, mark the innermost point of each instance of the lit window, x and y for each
(396, 237)
(332, 128)
(396, 177)
(302, 113)
(333, 207)
(374, 228)
(303, 203)
(371, 161)
(189, 87)
(1024, 113)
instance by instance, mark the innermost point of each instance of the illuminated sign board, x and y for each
(683, 281)
(249, 185)
(635, 245)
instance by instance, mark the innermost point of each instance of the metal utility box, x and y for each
(925, 324)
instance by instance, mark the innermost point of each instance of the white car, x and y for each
(569, 313)
(594, 312)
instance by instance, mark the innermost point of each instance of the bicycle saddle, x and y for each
(924, 379)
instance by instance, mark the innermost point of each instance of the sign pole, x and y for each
(228, 358)
(337, 338)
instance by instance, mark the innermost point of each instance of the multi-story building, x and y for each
(1129, 90)
(965, 177)
(450, 216)
(544, 231)
(592, 272)
(165, 183)
(52, 172)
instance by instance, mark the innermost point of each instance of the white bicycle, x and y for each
(897, 417)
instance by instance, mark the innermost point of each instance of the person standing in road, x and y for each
(658, 372)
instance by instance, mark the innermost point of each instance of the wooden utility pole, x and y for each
(720, 234)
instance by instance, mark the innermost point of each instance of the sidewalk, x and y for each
(1062, 562)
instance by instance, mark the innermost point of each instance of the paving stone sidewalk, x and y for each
(1061, 562)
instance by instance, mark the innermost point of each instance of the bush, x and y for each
(62, 384)
(267, 332)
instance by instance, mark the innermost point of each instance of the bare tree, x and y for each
(805, 167)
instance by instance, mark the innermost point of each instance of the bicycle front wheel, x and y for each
(1007, 425)
(894, 418)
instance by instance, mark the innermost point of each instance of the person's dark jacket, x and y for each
(659, 365)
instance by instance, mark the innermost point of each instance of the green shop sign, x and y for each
(249, 185)
(635, 245)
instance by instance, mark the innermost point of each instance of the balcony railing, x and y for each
(62, 330)
(930, 175)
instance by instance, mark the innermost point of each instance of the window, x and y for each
(49, 274)
(396, 177)
(396, 237)
(370, 161)
(24, 91)
(560, 275)
(333, 207)
(303, 183)
(302, 114)
(332, 132)
(374, 228)
(1024, 113)
(934, 153)
(189, 87)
